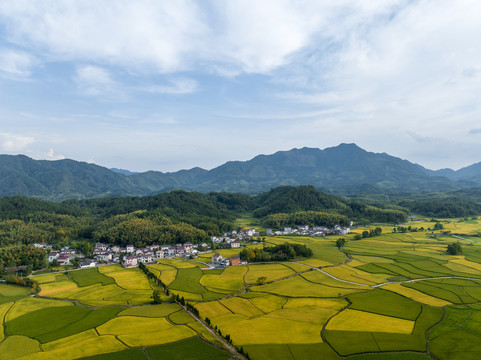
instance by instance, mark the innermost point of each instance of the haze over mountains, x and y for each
(345, 168)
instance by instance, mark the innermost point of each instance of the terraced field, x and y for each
(70, 327)
(397, 296)
(386, 302)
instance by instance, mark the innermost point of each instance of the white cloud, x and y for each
(51, 155)
(93, 80)
(177, 86)
(14, 142)
(229, 37)
(145, 35)
(16, 65)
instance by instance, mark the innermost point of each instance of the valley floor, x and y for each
(394, 296)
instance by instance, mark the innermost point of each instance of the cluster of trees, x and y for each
(290, 199)
(139, 231)
(367, 234)
(405, 229)
(454, 249)
(311, 218)
(22, 255)
(443, 208)
(282, 252)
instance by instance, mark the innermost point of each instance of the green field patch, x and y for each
(351, 342)
(131, 354)
(188, 281)
(128, 279)
(324, 249)
(241, 306)
(455, 318)
(43, 321)
(459, 290)
(10, 293)
(14, 347)
(269, 271)
(269, 302)
(372, 259)
(312, 351)
(435, 291)
(385, 302)
(212, 309)
(375, 269)
(300, 287)
(92, 320)
(161, 310)
(51, 324)
(30, 304)
(86, 277)
(390, 356)
(7, 290)
(456, 344)
(181, 318)
(188, 349)
(276, 351)
(88, 347)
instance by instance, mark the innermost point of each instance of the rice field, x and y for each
(407, 283)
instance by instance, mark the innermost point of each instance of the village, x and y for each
(130, 256)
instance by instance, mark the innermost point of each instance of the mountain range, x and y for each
(345, 168)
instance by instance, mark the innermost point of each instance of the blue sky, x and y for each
(168, 85)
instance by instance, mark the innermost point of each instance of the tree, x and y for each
(438, 226)
(340, 242)
(261, 280)
(454, 249)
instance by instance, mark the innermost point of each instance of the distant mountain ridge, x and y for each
(345, 168)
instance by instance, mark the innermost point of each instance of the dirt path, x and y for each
(389, 282)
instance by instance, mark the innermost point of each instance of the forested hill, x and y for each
(181, 216)
(342, 169)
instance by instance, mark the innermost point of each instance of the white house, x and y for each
(130, 261)
(53, 256)
(235, 244)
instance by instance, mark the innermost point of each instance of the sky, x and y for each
(169, 85)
